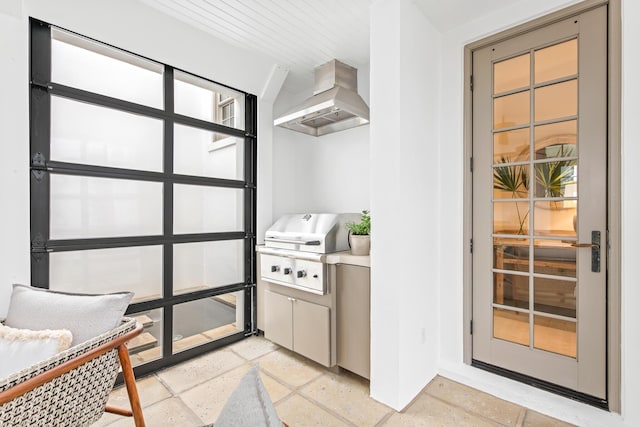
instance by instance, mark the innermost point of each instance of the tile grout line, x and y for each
(469, 412)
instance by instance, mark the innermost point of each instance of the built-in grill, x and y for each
(295, 245)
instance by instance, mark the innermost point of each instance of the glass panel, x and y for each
(85, 207)
(556, 61)
(511, 74)
(511, 326)
(511, 110)
(511, 217)
(511, 146)
(148, 345)
(554, 257)
(95, 67)
(555, 335)
(554, 296)
(556, 179)
(205, 265)
(203, 153)
(556, 101)
(99, 271)
(554, 218)
(104, 137)
(208, 319)
(556, 140)
(511, 254)
(510, 181)
(199, 209)
(205, 100)
(511, 290)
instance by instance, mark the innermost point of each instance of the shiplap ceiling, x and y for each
(298, 34)
(302, 34)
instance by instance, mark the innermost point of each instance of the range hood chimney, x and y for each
(334, 106)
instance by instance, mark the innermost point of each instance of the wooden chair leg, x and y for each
(130, 383)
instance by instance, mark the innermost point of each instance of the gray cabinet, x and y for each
(353, 318)
(298, 325)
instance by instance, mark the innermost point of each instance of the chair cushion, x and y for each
(249, 405)
(21, 348)
(86, 316)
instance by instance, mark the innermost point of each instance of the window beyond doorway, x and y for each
(127, 192)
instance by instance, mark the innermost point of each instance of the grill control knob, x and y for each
(302, 273)
(287, 271)
(275, 268)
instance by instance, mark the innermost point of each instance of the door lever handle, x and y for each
(585, 245)
(595, 250)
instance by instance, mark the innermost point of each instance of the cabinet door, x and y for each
(311, 331)
(353, 318)
(278, 320)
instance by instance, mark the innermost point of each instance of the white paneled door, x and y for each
(539, 204)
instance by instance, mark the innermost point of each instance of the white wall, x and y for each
(123, 23)
(404, 194)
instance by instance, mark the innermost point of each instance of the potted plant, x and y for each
(515, 180)
(359, 238)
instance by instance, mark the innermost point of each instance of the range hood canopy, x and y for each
(334, 106)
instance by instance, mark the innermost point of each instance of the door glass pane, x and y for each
(511, 110)
(200, 209)
(511, 217)
(203, 265)
(511, 74)
(148, 345)
(554, 218)
(511, 146)
(511, 290)
(556, 140)
(556, 101)
(203, 153)
(511, 326)
(85, 207)
(557, 178)
(510, 181)
(555, 335)
(554, 62)
(95, 67)
(555, 296)
(511, 254)
(554, 257)
(98, 271)
(104, 137)
(205, 100)
(208, 319)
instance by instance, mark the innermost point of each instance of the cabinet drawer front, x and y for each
(278, 326)
(312, 331)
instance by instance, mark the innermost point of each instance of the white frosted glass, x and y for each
(104, 137)
(135, 269)
(202, 99)
(204, 265)
(204, 153)
(94, 67)
(86, 207)
(201, 209)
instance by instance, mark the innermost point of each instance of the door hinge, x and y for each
(471, 327)
(470, 164)
(471, 245)
(471, 82)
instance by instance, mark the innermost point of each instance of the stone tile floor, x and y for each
(306, 394)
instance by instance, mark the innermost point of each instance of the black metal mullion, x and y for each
(167, 276)
(39, 137)
(250, 173)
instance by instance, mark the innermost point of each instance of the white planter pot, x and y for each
(360, 245)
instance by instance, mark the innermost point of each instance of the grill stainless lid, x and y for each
(317, 232)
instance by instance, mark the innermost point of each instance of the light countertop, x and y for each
(346, 258)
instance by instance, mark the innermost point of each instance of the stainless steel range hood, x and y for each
(334, 106)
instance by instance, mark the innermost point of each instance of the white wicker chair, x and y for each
(72, 387)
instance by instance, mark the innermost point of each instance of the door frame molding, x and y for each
(614, 98)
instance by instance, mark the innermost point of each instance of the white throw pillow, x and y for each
(86, 316)
(21, 348)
